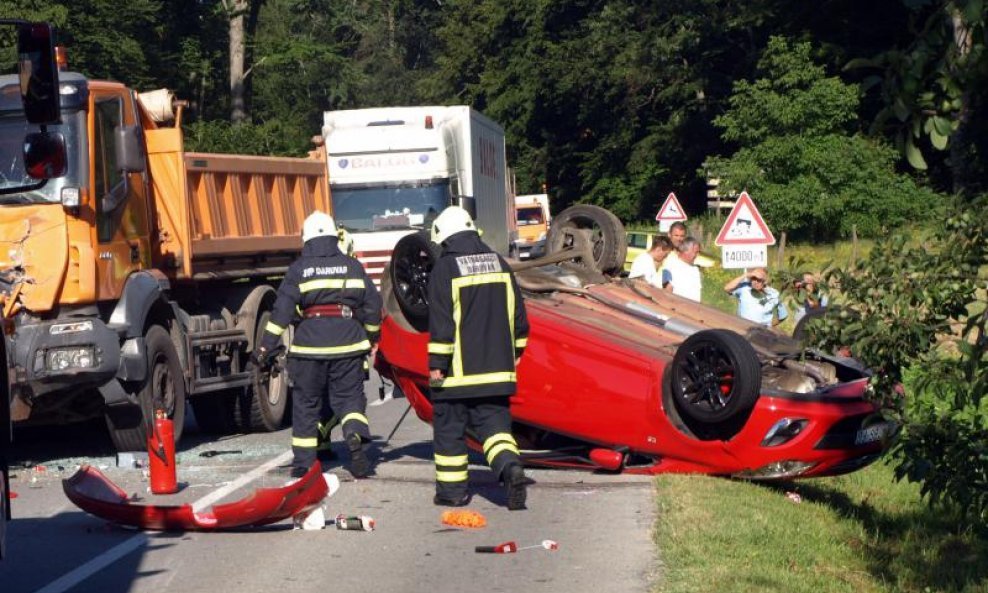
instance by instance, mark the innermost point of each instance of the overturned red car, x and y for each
(620, 376)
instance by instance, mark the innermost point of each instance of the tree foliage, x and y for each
(919, 313)
(813, 176)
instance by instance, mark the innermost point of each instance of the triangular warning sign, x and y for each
(671, 209)
(745, 225)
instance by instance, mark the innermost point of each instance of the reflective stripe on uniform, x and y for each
(356, 416)
(358, 347)
(451, 460)
(325, 283)
(305, 442)
(440, 348)
(274, 328)
(325, 426)
(476, 280)
(521, 342)
(498, 443)
(451, 476)
(482, 379)
(372, 328)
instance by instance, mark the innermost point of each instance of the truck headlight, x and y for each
(78, 357)
(70, 328)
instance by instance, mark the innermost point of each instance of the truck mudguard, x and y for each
(142, 291)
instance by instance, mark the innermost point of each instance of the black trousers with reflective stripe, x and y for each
(318, 387)
(486, 417)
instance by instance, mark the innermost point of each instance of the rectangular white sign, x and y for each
(743, 256)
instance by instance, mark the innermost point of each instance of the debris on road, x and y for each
(355, 523)
(464, 518)
(512, 547)
(214, 452)
(94, 493)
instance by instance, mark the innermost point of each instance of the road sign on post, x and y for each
(670, 212)
(744, 238)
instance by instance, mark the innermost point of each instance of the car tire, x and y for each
(604, 231)
(163, 388)
(411, 263)
(715, 380)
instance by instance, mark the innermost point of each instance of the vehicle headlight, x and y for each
(78, 357)
(789, 468)
(542, 236)
(70, 328)
(784, 431)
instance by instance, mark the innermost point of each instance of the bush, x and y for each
(920, 311)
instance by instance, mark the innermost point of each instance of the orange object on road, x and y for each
(464, 518)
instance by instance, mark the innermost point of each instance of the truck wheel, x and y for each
(265, 400)
(163, 389)
(604, 231)
(411, 263)
(715, 381)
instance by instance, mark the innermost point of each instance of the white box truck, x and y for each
(392, 169)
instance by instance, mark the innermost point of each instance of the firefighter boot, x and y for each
(359, 464)
(515, 483)
(442, 501)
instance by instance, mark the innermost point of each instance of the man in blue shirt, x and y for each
(757, 301)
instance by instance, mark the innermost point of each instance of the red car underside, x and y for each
(593, 373)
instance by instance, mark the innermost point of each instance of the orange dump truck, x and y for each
(141, 278)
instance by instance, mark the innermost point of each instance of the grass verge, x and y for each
(862, 532)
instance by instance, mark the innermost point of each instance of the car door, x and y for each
(120, 198)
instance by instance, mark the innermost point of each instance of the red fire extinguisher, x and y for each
(161, 454)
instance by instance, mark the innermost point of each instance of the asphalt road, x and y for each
(602, 524)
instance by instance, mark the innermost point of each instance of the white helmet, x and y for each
(450, 221)
(318, 224)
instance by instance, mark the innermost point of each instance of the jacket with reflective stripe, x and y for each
(323, 276)
(477, 321)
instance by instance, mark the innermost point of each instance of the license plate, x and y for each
(872, 433)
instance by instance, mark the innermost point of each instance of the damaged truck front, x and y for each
(141, 277)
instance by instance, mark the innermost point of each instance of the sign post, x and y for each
(744, 238)
(670, 212)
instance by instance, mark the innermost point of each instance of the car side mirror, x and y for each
(38, 73)
(130, 156)
(45, 155)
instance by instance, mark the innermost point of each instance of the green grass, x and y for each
(860, 532)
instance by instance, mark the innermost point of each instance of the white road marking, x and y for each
(77, 575)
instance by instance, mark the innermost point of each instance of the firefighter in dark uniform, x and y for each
(477, 333)
(337, 310)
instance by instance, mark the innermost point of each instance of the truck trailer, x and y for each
(142, 277)
(393, 169)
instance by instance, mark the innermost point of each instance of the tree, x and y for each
(812, 175)
(914, 313)
(930, 87)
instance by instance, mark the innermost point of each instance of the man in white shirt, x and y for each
(645, 265)
(685, 281)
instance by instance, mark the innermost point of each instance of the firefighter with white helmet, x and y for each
(336, 309)
(477, 333)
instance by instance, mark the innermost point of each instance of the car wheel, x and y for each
(163, 389)
(715, 378)
(411, 263)
(601, 228)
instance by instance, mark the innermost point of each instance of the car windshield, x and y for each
(531, 215)
(385, 208)
(13, 129)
